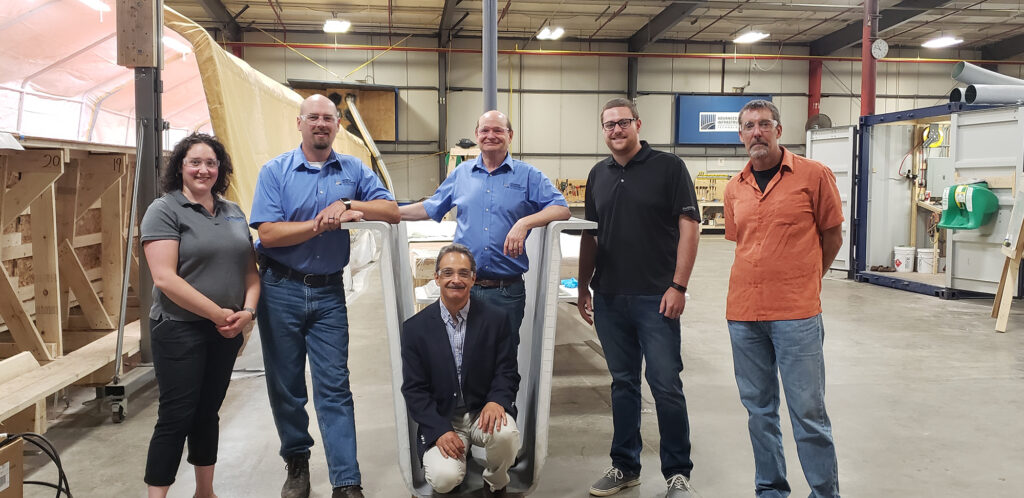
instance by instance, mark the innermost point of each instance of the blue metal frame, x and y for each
(859, 229)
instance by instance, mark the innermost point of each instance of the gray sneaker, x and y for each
(679, 487)
(613, 481)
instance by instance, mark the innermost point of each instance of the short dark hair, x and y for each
(761, 104)
(170, 178)
(619, 102)
(454, 247)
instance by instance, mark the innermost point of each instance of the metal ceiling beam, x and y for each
(444, 29)
(851, 33)
(1003, 49)
(220, 14)
(660, 24)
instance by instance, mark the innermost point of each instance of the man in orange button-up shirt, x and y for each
(785, 215)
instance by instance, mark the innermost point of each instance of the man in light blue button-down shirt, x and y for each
(499, 200)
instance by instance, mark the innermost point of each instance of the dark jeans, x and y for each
(512, 299)
(631, 330)
(193, 364)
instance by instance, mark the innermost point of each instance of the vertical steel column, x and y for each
(813, 88)
(632, 75)
(149, 117)
(867, 62)
(442, 114)
(490, 54)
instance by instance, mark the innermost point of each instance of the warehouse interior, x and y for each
(924, 367)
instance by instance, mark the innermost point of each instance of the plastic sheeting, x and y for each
(253, 115)
(60, 77)
(60, 80)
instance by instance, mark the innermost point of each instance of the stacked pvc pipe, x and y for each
(985, 87)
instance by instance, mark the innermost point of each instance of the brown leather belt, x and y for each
(498, 282)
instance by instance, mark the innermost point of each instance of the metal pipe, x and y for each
(382, 170)
(994, 94)
(814, 88)
(126, 277)
(868, 76)
(957, 95)
(965, 72)
(591, 53)
(489, 38)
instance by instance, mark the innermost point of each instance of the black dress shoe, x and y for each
(353, 491)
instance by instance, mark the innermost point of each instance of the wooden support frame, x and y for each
(33, 417)
(112, 259)
(63, 226)
(72, 269)
(44, 266)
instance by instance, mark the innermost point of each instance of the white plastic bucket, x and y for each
(925, 260)
(904, 258)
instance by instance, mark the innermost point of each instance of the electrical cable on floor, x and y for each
(40, 441)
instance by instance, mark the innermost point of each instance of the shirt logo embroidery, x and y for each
(235, 218)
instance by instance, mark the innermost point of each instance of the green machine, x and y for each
(968, 206)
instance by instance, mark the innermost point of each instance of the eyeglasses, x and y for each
(764, 125)
(622, 123)
(196, 162)
(449, 273)
(314, 118)
(489, 131)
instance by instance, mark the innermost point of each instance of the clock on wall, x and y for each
(879, 48)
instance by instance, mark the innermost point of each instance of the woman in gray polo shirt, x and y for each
(205, 291)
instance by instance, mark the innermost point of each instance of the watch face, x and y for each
(879, 48)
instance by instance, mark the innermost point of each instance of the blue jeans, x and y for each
(631, 330)
(760, 352)
(295, 321)
(512, 299)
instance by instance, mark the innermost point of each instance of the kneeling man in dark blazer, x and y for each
(460, 378)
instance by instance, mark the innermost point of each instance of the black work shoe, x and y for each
(353, 491)
(296, 485)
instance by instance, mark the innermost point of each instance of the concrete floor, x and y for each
(925, 399)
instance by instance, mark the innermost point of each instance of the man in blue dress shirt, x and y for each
(499, 200)
(302, 197)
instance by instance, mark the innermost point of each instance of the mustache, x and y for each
(455, 285)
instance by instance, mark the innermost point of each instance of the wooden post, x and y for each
(112, 262)
(44, 268)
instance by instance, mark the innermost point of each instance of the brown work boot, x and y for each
(296, 485)
(353, 491)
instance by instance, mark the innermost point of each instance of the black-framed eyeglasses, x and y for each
(449, 273)
(622, 123)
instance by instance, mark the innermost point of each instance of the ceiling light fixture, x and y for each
(750, 37)
(96, 5)
(336, 26)
(548, 33)
(942, 42)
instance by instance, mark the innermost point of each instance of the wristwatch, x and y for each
(680, 288)
(252, 311)
(347, 202)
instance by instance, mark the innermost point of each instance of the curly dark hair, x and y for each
(170, 177)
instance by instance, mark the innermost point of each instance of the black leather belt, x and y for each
(308, 279)
(492, 283)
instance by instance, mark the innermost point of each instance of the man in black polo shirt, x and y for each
(646, 240)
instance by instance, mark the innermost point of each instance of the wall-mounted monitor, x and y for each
(710, 119)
